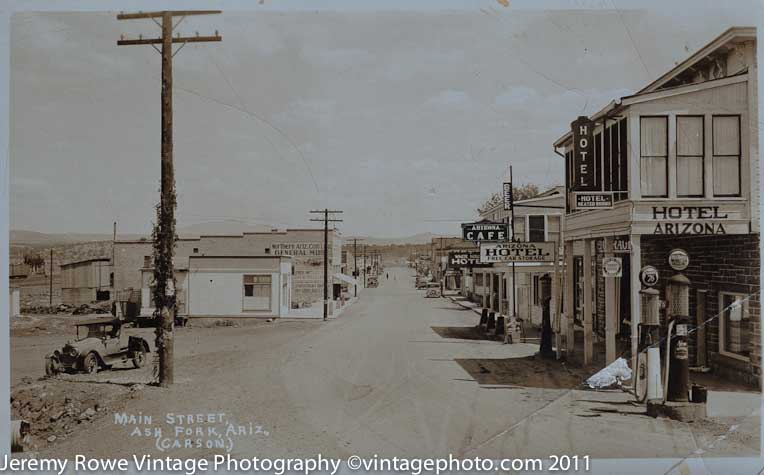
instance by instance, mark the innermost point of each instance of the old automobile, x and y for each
(433, 290)
(99, 345)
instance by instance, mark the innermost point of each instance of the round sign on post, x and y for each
(612, 267)
(679, 259)
(649, 276)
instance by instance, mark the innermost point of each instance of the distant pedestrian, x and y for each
(387, 276)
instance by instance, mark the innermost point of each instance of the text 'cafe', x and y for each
(662, 215)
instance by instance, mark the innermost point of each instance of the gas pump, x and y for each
(678, 374)
(649, 365)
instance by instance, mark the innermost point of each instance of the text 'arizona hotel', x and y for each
(667, 180)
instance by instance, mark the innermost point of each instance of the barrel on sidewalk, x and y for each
(483, 317)
(500, 326)
(491, 325)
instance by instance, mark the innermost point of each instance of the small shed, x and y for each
(87, 281)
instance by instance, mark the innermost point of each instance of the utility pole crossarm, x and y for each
(143, 15)
(177, 39)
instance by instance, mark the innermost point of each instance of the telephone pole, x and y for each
(364, 266)
(355, 265)
(50, 289)
(164, 233)
(326, 220)
(514, 239)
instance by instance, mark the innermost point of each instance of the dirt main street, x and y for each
(376, 380)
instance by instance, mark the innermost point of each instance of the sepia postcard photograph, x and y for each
(414, 237)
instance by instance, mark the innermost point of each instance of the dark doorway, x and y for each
(624, 298)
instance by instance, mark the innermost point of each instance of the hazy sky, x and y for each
(406, 120)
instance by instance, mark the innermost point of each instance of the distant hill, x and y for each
(222, 227)
(37, 239)
(21, 237)
(421, 238)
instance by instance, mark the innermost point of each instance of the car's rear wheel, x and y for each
(139, 358)
(90, 363)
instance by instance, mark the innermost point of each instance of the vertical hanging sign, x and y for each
(583, 154)
(508, 198)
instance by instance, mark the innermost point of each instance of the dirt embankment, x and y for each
(56, 409)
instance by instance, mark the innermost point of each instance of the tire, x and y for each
(139, 358)
(90, 363)
(51, 367)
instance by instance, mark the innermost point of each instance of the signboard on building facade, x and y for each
(583, 154)
(298, 249)
(517, 252)
(508, 198)
(594, 200)
(621, 245)
(679, 259)
(697, 219)
(336, 252)
(467, 259)
(485, 232)
(612, 267)
(648, 276)
(688, 220)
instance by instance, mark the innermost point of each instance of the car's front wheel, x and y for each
(139, 358)
(90, 363)
(51, 367)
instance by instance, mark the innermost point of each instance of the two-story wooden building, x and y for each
(678, 164)
(536, 219)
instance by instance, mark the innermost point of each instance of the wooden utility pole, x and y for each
(355, 265)
(50, 289)
(326, 220)
(113, 241)
(164, 233)
(514, 239)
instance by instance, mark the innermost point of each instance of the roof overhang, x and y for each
(605, 112)
(731, 35)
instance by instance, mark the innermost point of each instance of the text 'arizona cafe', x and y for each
(662, 187)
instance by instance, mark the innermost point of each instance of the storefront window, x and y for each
(654, 156)
(689, 156)
(257, 292)
(735, 332)
(726, 148)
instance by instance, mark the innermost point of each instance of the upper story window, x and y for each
(726, 159)
(615, 164)
(536, 228)
(653, 145)
(690, 146)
